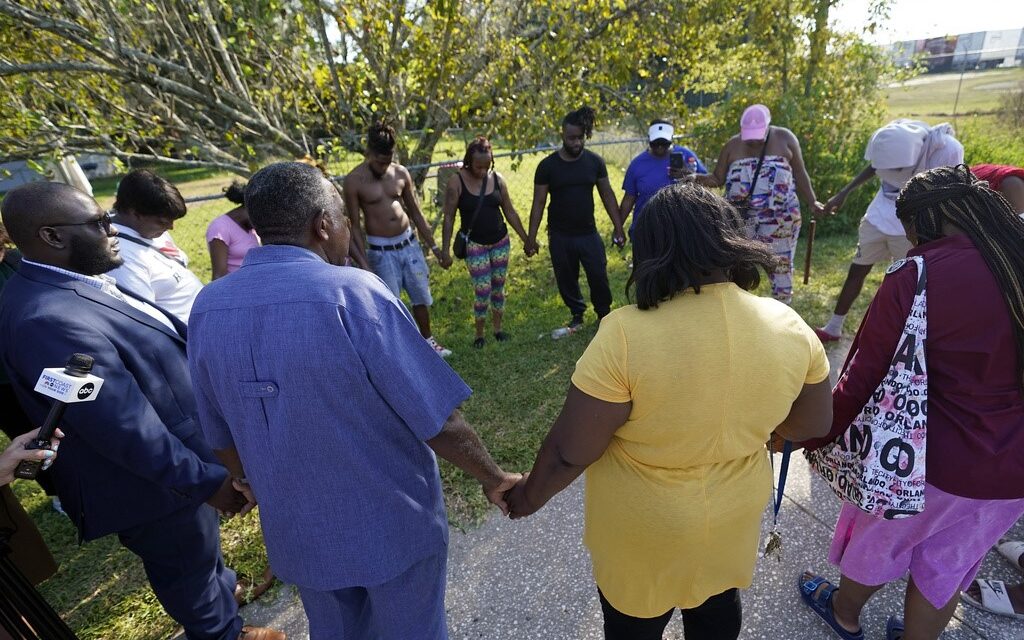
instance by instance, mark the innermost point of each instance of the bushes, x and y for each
(833, 116)
(1012, 108)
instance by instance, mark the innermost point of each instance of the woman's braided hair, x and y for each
(954, 195)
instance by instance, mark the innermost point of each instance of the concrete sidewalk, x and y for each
(531, 578)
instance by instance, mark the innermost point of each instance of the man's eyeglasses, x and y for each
(660, 143)
(102, 223)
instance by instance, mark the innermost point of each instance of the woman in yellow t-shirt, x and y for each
(668, 412)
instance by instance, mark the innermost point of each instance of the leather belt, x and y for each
(393, 247)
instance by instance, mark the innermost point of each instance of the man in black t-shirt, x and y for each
(570, 175)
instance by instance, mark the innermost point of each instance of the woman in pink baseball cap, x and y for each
(763, 172)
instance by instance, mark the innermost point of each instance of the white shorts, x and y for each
(873, 246)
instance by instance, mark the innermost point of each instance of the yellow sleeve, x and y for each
(817, 366)
(602, 370)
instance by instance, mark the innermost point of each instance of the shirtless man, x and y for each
(383, 191)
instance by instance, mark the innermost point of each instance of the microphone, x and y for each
(73, 383)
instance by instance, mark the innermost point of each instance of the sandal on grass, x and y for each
(1012, 550)
(894, 628)
(479, 343)
(820, 602)
(994, 599)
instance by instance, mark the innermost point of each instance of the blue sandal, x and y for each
(820, 602)
(894, 628)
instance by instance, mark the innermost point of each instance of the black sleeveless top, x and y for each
(489, 227)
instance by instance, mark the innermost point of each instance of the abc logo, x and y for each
(86, 390)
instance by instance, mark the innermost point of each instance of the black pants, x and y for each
(717, 619)
(567, 254)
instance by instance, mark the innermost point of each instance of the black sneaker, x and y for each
(479, 343)
(576, 323)
(501, 336)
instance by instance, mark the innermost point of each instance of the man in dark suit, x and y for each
(134, 461)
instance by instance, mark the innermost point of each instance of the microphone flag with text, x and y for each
(73, 383)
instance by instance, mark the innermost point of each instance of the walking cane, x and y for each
(810, 252)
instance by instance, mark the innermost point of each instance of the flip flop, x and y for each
(894, 628)
(821, 604)
(994, 599)
(1012, 550)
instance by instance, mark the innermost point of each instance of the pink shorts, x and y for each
(941, 547)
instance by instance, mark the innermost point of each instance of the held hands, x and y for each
(530, 247)
(229, 500)
(445, 260)
(519, 505)
(241, 485)
(835, 203)
(618, 237)
(496, 493)
(16, 452)
(818, 209)
(443, 257)
(776, 442)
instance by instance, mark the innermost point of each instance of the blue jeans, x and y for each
(403, 268)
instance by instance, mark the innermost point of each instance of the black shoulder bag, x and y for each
(462, 237)
(744, 204)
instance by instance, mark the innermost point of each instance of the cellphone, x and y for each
(676, 160)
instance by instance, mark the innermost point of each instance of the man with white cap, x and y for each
(896, 153)
(650, 171)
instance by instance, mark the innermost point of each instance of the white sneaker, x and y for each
(57, 506)
(438, 349)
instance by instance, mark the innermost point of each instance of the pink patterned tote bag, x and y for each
(878, 464)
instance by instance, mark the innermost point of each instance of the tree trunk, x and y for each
(819, 38)
(424, 151)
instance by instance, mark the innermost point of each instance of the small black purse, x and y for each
(462, 237)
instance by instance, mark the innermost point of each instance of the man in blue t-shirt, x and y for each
(649, 171)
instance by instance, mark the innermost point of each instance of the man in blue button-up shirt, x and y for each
(314, 378)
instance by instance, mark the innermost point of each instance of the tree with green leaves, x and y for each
(231, 85)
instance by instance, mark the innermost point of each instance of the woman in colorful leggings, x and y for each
(487, 248)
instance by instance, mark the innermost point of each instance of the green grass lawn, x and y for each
(935, 94)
